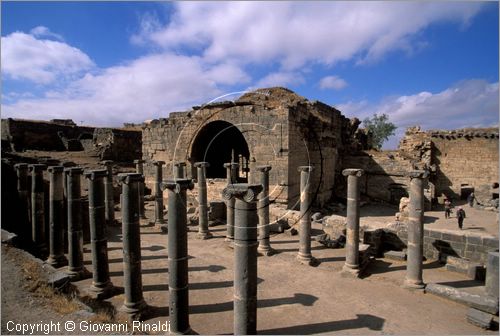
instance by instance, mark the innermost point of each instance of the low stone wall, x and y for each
(438, 244)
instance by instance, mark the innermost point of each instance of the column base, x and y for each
(101, 292)
(79, 275)
(135, 310)
(204, 235)
(230, 242)
(350, 271)
(414, 284)
(307, 260)
(266, 251)
(57, 261)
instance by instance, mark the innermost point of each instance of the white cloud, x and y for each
(146, 88)
(332, 82)
(39, 60)
(295, 33)
(470, 103)
(281, 78)
(40, 31)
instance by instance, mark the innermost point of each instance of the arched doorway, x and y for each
(216, 143)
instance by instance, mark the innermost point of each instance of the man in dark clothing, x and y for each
(460, 217)
(447, 208)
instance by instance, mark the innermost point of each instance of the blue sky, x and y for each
(433, 64)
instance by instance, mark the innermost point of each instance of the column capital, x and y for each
(21, 166)
(231, 165)
(352, 171)
(180, 164)
(177, 185)
(95, 173)
(55, 169)
(417, 174)
(264, 168)
(244, 191)
(139, 161)
(37, 167)
(158, 163)
(201, 164)
(73, 171)
(128, 178)
(67, 164)
(307, 169)
(107, 162)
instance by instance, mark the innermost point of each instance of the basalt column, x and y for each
(56, 217)
(415, 231)
(351, 266)
(263, 212)
(101, 285)
(232, 173)
(178, 255)
(140, 170)
(158, 193)
(134, 303)
(24, 195)
(76, 270)
(37, 209)
(179, 170)
(108, 193)
(304, 255)
(203, 232)
(245, 255)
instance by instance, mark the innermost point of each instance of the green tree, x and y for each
(380, 127)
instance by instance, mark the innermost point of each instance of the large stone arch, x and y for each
(218, 142)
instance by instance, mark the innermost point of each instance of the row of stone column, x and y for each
(413, 279)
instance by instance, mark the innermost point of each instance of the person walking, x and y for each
(447, 208)
(470, 199)
(460, 217)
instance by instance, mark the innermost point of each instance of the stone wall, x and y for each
(64, 135)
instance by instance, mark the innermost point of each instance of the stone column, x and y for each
(415, 230)
(304, 255)
(140, 170)
(66, 164)
(203, 232)
(37, 208)
(232, 178)
(245, 256)
(24, 198)
(263, 212)
(56, 217)
(158, 193)
(101, 285)
(351, 266)
(178, 255)
(108, 193)
(491, 285)
(134, 303)
(179, 170)
(76, 270)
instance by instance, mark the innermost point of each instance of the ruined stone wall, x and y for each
(39, 135)
(315, 139)
(118, 145)
(264, 130)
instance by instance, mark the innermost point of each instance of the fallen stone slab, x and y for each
(480, 302)
(479, 318)
(8, 237)
(395, 255)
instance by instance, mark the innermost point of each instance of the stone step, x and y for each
(480, 318)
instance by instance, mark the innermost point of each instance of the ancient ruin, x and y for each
(268, 169)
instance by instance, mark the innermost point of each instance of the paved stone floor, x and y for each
(293, 298)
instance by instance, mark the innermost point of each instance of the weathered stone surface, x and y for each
(395, 255)
(482, 303)
(479, 318)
